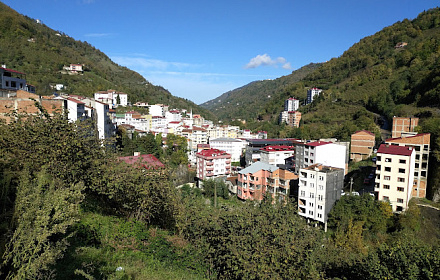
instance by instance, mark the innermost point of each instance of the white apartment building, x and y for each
(104, 124)
(276, 155)
(213, 163)
(326, 153)
(232, 146)
(156, 110)
(312, 93)
(111, 98)
(319, 188)
(291, 104)
(395, 175)
(173, 116)
(75, 109)
(195, 136)
(420, 143)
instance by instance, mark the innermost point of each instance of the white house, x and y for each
(232, 146)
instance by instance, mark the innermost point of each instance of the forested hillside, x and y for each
(41, 53)
(254, 95)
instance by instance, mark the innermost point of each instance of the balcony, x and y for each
(228, 161)
(209, 163)
(209, 168)
(228, 167)
(209, 174)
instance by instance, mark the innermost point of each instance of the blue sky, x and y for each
(200, 49)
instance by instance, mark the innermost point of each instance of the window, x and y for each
(319, 215)
(401, 180)
(320, 207)
(400, 189)
(386, 198)
(320, 187)
(312, 185)
(321, 178)
(387, 168)
(386, 178)
(400, 200)
(311, 204)
(310, 212)
(303, 193)
(386, 187)
(320, 197)
(401, 170)
(378, 158)
(402, 160)
(417, 157)
(312, 195)
(387, 159)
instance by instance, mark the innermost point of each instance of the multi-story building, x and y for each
(326, 153)
(112, 98)
(276, 155)
(12, 80)
(420, 144)
(232, 146)
(213, 163)
(291, 118)
(312, 93)
(362, 145)
(291, 104)
(75, 109)
(404, 126)
(252, 181)
(279, 184)
(253, 148)
(318, 189)
(195, 135)
(395, 175)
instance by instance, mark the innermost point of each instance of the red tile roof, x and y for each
(317, 143)
(395, 150)
(277, 148)
(12, 71)
(212, 152)
(147, 161)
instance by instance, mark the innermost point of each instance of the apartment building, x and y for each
(279, 184)
(326, 153)
(421, 145)
(253, 180)
(276, 155)
(75, 109)
(404, 126)
(395, 175)
(312, 93)
(253, 148)
(112, 98)
(232, 146)
(318, 189)
(291, 104)
(212, 163)
(362, 145)
(291, 118)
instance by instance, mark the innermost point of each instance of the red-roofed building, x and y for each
(420, 143)
(213, 163)
(147, 161)
(395, 175)
(276, 155)
(325, 153)
(362, 145)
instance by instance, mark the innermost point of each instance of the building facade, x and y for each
(395, 175)
(404, 126)
(213, 163)
(326, 153)
(318, 189)
(312, 93)
(421, 146)
(276, 155)
(362, 145)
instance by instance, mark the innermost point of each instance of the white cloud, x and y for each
(266, 60)
(96, 35)
(145, 63)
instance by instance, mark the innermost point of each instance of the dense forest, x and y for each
(41, 52)
(71, 210)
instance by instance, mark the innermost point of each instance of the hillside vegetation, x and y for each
(41, 53)
(254, 95)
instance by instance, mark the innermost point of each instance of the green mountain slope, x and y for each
(41, 53)
(253, 95)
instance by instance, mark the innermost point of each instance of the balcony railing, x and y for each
(209, 163)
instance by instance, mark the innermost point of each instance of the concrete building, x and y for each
(253, 148)
(325, 153)
(395, 175)
(404, 126)
(252, 181)
(234, 147)
(213, 163)
(291, 104)
(312, 93)
(280, 183)
(112, 98)
(319, 188)
(362, 145)
(291, 118)
(421, 145)
(276, 155)
(75, 109)
(12, 80)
